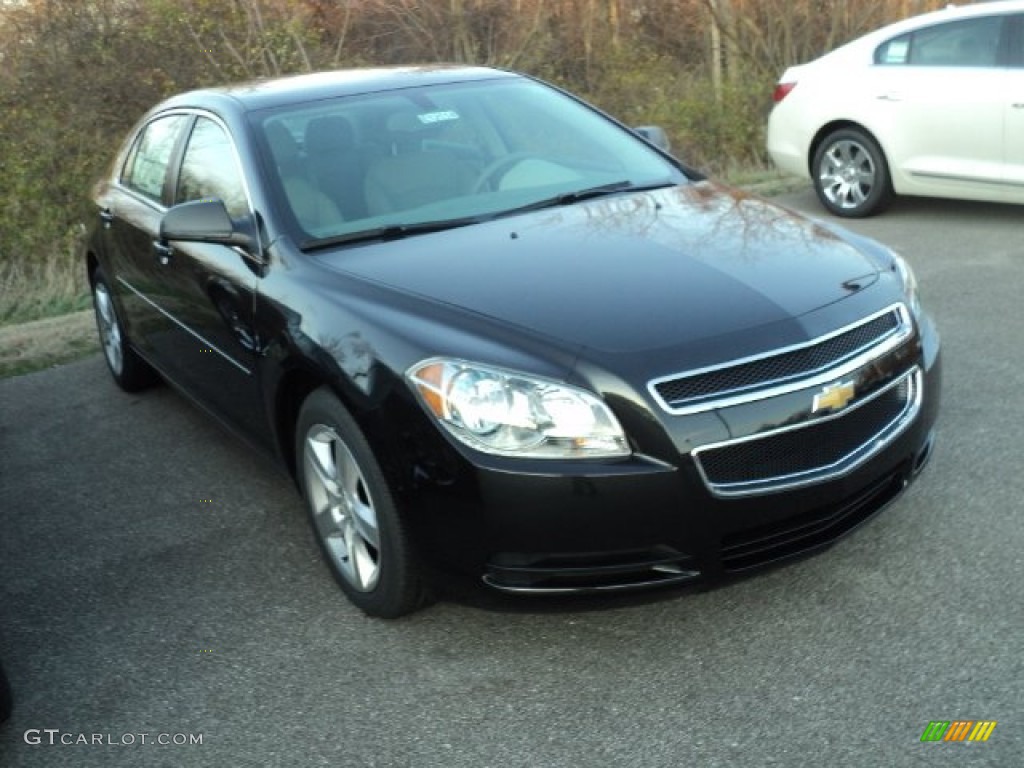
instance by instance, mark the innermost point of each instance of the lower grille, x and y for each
(794, 536)
(582, 573)
(814, 451)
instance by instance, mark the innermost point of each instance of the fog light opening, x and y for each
(924, 454)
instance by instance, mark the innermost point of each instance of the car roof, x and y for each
(950, 13)
(316, 86)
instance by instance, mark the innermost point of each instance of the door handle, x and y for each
(107, 217)
(163, 252)
(891, 96)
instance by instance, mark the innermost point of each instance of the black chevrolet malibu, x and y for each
(491, 331)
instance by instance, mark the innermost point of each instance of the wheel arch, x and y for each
(839, 125)
(92, 263)
(292, 390)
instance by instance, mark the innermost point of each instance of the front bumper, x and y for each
(537, 527)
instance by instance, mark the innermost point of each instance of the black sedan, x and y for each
(491, 331)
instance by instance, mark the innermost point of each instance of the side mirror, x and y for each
(655, 135)
(205, 221)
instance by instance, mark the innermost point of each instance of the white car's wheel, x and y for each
(851, 175)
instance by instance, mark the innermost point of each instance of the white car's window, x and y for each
(1015, 49)
(209, 169)
(965, 43)
(146, 166)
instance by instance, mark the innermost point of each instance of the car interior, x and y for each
(338, 172)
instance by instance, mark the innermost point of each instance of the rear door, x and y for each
(131, 210)
(1014, 145)
(943, 92)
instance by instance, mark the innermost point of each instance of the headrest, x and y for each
(282, 144)
(327, 134)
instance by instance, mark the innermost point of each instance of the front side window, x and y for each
(966, 43)
(1015, 49)
(145, 170)
(209, 169)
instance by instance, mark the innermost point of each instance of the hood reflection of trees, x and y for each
(696, 218)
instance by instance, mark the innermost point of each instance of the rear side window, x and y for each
(145, 170)
(966, 43)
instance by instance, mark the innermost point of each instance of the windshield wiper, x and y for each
(387, 232)
(568, 198)
(398, 231)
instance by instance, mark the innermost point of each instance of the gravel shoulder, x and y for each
(29, 347)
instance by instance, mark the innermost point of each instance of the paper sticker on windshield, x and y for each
(428, 118)
(897, 52)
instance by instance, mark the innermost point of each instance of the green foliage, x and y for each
(715, 132)
(76, 74)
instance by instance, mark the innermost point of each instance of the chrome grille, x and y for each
(758, 377)
(812, 451)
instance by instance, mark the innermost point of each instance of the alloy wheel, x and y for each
(847, 174)
(109, 330)
(343, 510)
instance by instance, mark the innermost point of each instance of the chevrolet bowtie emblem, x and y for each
(834, 397)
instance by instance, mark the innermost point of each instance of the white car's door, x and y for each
(944, 96)
(1014, 131)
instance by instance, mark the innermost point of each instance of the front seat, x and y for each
(314, 210)
(402, 182)
(413, 175)
(336, 164)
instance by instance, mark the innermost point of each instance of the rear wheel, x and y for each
(353, 513)
(851, 175)
(130, 371)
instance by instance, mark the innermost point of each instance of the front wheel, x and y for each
(851, 175)
(352, 510)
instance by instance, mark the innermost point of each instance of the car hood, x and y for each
(630, 272)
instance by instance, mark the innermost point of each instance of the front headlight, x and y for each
(908, 280)
(516, 414)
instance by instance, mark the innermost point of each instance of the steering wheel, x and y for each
(494, 170)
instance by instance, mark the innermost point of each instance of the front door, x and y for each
(208, 291)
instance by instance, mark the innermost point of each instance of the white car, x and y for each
(930, 106)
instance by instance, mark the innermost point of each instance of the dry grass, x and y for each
(42, 287)
(28, 347)
(44, 318)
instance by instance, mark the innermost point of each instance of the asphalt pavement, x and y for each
(158, 583)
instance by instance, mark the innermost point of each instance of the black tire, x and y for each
(352, 511)
(851, 175)
(130, 371)
(6, 700)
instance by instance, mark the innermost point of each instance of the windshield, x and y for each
(392, 162)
